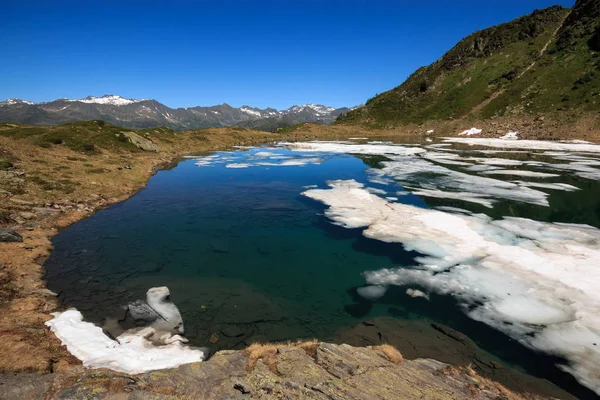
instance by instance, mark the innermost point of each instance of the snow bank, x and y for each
(510, 136)
(472, 131)
(130, 353)
(537, 282)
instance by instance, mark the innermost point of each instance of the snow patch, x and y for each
(108, 99)
(510, 136)
(472, 131)
(130, 353)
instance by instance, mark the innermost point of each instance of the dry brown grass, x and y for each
(390, 352)
(267, 352)
(478, 383)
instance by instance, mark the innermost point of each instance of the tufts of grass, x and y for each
(390, 352)
(267, 352)
(478, 383)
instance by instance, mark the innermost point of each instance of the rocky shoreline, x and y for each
(40, 208)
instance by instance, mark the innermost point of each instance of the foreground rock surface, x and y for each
(327, 371)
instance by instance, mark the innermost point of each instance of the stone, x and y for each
(10, 235)
(141, 142)
(27, 215)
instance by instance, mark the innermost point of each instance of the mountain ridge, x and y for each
(546, 62)
(149, 113)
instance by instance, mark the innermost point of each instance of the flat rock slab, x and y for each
(330, 372)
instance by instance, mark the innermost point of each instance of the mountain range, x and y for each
(140, 114)
(547, 62)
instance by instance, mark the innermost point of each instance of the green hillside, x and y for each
(545, 62)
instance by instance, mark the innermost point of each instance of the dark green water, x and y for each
(247, 258)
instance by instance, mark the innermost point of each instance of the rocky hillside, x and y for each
(545, 62)
(142, 114)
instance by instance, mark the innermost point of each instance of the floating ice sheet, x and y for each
(537, 282)
(419, 173)
(526, 144)
(373, 148)
(519, 172)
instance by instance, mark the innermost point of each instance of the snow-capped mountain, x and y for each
(111, 99)
(10, 102)
(133, 113)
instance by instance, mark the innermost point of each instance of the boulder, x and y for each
(10, 235)
(141, 142)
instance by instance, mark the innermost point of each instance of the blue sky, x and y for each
(260, 53)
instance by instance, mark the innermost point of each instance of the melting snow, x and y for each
(130, 353)
(472, 131)
(537, 282)
(510, 136)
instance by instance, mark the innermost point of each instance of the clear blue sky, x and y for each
(260, 53)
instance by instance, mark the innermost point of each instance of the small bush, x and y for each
(88, 147)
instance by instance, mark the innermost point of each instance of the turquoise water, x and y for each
(248, 258)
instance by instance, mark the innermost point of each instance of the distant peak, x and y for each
(9, 102)
(110, 99)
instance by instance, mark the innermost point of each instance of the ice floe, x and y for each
(536, 281)
(131, 353)
(543, 185)
(519, 172)
(477, 198)
(372, 292)
(526, 144)
(372, 148)
(416, 293)
(418, 173)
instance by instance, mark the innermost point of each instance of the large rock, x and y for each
(325, 371)
(10, 235)
(141, 142)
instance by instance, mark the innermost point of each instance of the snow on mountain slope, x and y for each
(108, 99)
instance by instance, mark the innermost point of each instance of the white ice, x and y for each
(130, 353)
(416, 293)
(377, 148)
(477, 198)
(518, 172)
(372, 292)
(543, 185)
(526, 144)
(537, 282)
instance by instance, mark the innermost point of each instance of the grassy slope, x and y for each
(500, 70)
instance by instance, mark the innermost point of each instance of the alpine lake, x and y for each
(249, 255)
